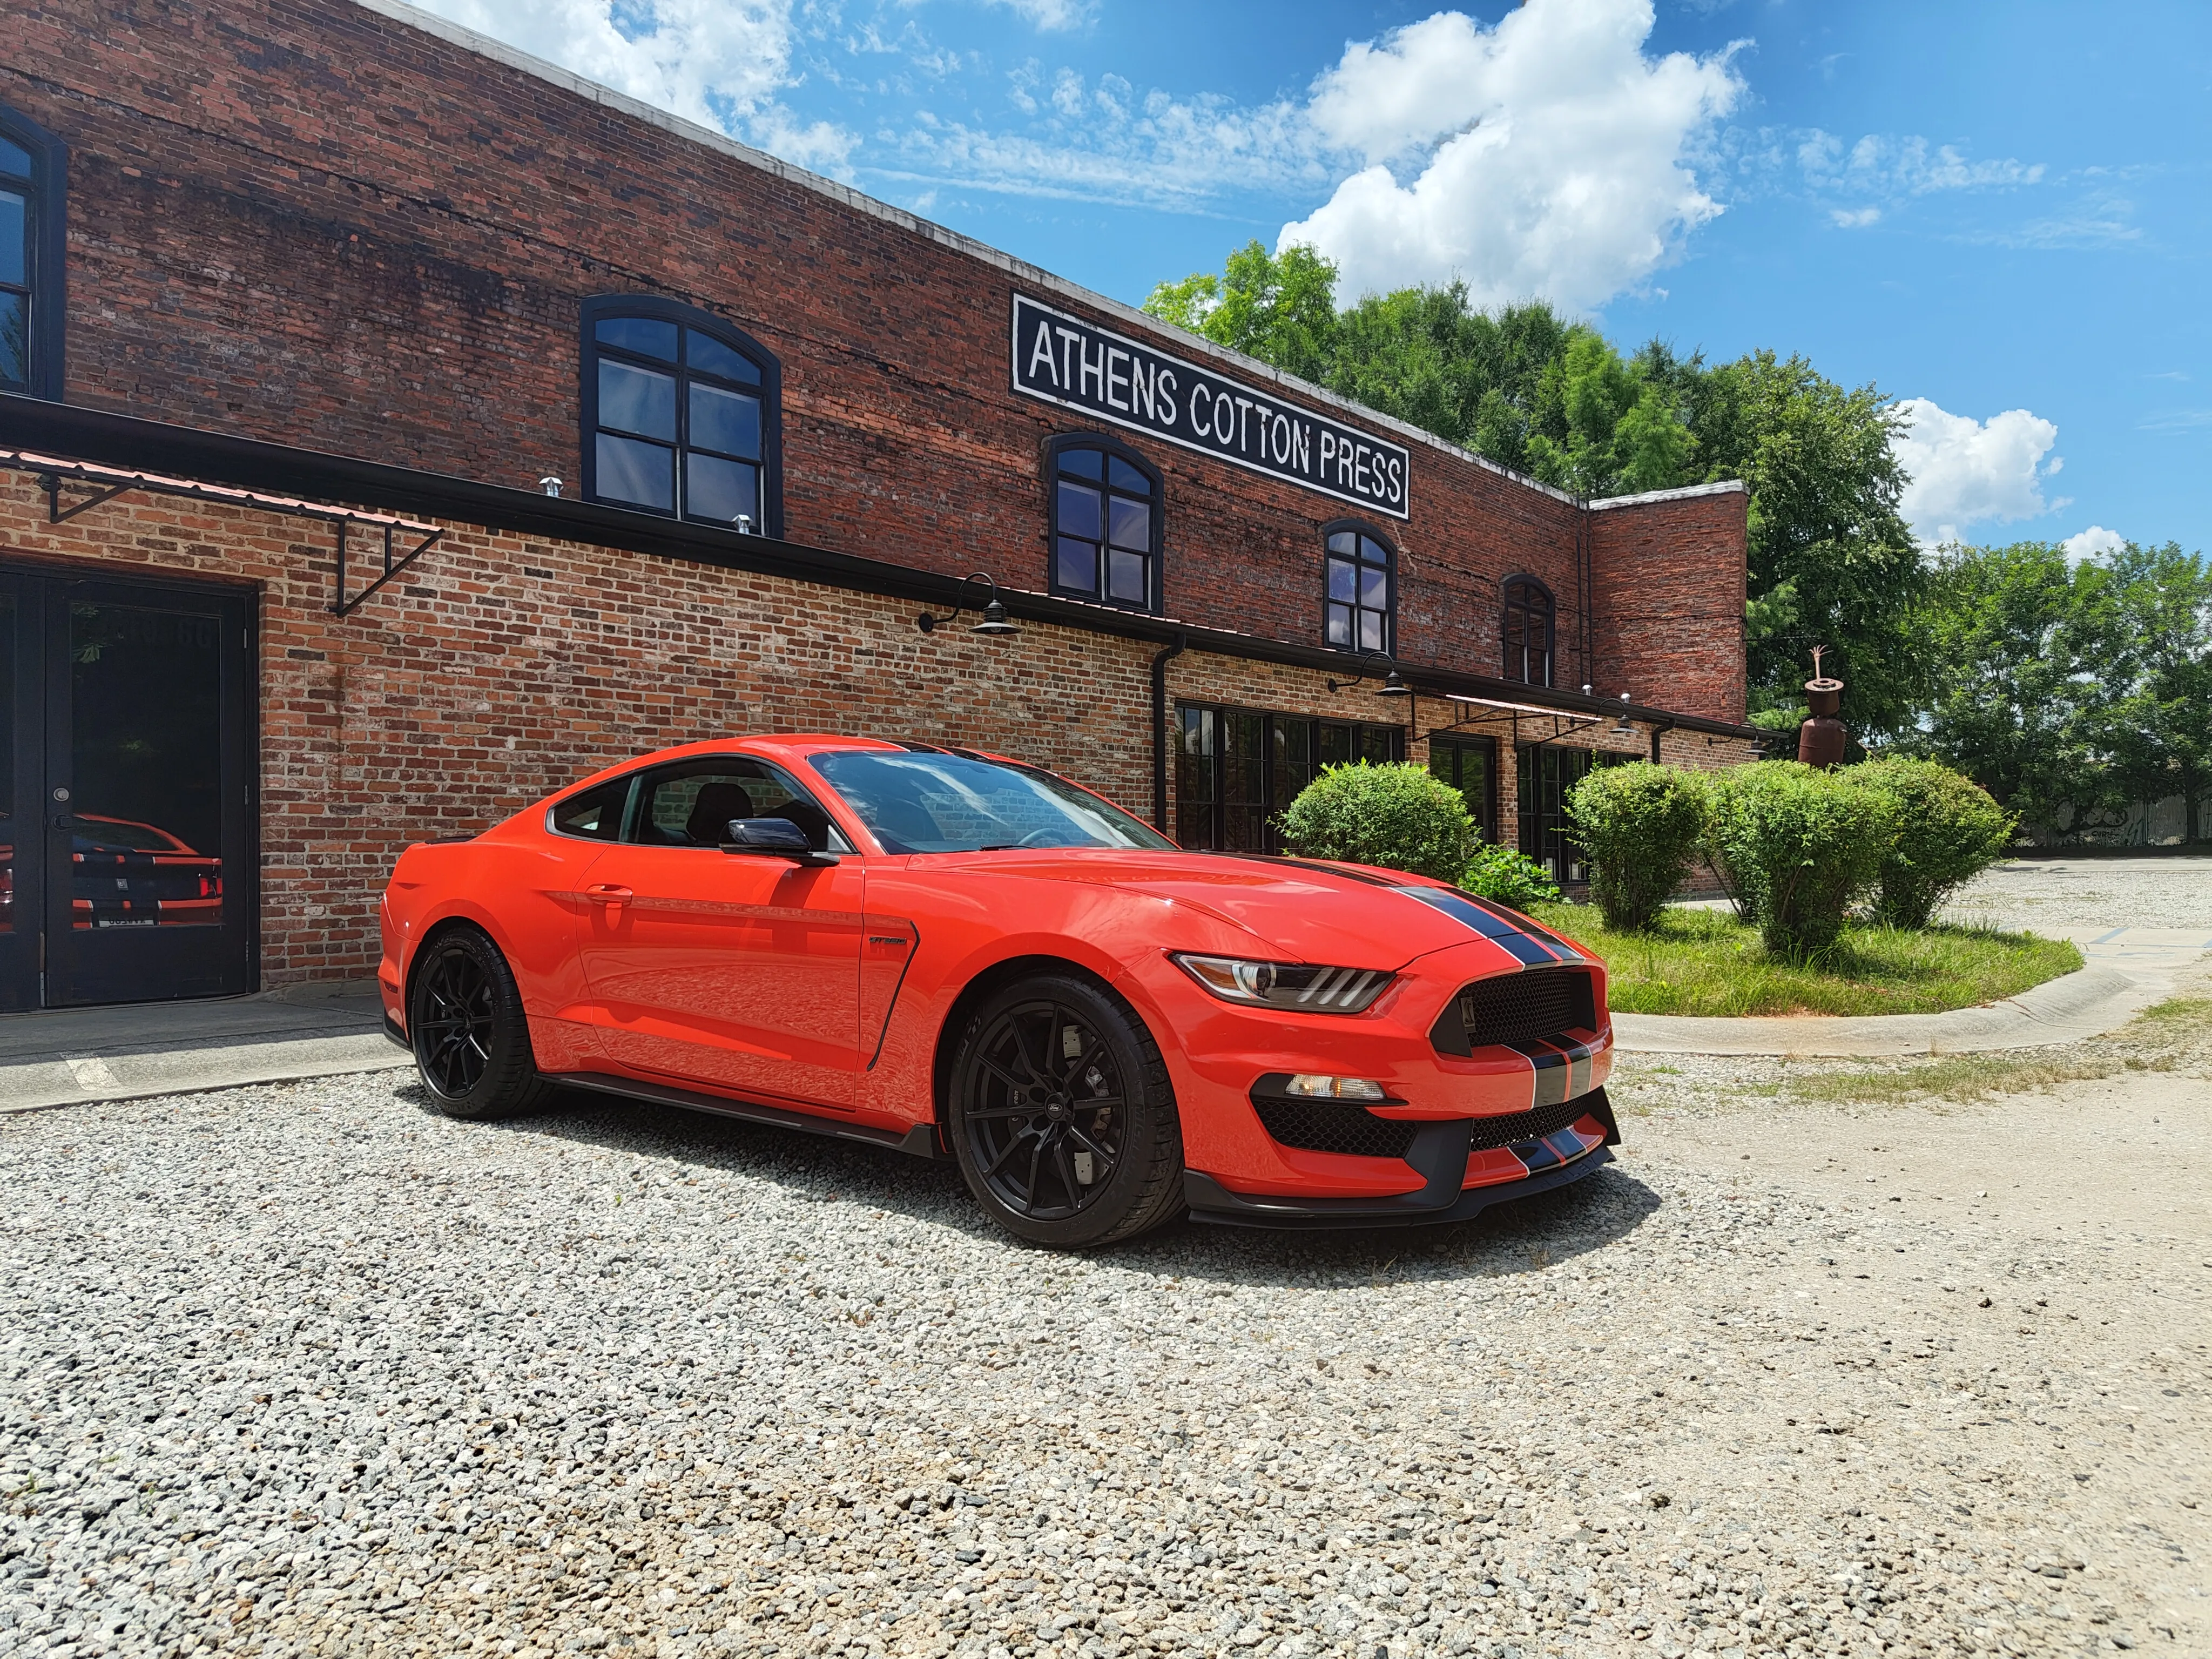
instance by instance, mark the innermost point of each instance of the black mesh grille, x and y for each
(1325, 1126)
(1491, 1132)
(1523, 1007)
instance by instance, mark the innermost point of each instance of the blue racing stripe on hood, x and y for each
(1527, 944)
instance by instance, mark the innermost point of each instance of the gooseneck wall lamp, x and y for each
(994, 613)
(1392, 686)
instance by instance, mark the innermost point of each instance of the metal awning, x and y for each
(109, 482)
(1520, 707)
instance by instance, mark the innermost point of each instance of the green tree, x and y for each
(1832, 562)
(1998, 632)
(1279, 308)
(1617, 433)
(2144, 620)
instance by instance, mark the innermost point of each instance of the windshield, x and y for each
(950, 804)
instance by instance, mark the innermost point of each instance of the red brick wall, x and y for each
(1667, 601)
(298, 220)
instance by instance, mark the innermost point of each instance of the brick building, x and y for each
(290, 289)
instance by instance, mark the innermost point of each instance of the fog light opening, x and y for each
(1312, 1085)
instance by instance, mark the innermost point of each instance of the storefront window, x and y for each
(1470, 766)
(680, 413)
(1547, 776)
(1238, 770)
(1104, 508)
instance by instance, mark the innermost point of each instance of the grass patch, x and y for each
(1706, 961)
(2190, 1008)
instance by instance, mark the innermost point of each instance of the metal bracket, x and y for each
(56, 513)
(340, 605)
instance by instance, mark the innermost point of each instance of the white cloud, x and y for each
(1880, 165)
(720, 62)
(1051, 15)
(1965, 471)
(1854, 218)
(2094, 543)
(1548, 154)
(1108, 143)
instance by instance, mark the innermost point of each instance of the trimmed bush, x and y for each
(1504, 876)
(1639, 826)
(1949, 830)
(1795, 846)
(1396, 816)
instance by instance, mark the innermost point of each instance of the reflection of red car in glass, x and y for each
(124, 873)
(964, 957)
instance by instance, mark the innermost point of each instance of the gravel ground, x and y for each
(310, 1369)
(2057, 891)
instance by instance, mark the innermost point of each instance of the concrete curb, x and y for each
(2072, 1008)
(40, 1086)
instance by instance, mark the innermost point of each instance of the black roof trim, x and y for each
(67, 431)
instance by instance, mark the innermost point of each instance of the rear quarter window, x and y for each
(596, 814)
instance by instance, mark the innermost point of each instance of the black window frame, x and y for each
(1543, 832)
(645, 780)
(1360, 527)
(1061, 444)
(1514, 592)
(45, 254)
(1264, 781)
(606, 307)
(1482, 806)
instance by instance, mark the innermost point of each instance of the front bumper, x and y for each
(1441, 1154)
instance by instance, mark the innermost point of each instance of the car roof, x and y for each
(783, 745)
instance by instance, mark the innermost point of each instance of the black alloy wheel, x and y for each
(466, 1024)
(1062, 1117)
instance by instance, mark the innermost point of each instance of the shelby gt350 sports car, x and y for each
(961, 956)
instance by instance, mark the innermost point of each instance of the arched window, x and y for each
(1104, 504)
(33, 173)
(1527, 631)
(682, 414)
(1359, 602)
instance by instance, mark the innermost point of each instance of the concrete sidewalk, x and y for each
(2126, 970)
(65, 1056)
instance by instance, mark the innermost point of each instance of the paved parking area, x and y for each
(2053, 892)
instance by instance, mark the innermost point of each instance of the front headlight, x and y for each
(1283, 984)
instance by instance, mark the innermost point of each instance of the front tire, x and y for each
(466, 1024)
(1062, 1117)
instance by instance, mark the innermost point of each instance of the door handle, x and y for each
(613, 897)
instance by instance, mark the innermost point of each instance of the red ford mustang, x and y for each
(961, 956)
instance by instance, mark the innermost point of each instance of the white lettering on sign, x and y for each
(1130, 384)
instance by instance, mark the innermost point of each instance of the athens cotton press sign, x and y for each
(1066, 360)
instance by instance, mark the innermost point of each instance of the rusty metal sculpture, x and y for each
(1821, 739)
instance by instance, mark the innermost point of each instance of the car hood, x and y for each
(1347, 916)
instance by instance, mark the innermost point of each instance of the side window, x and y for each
(595, 815)
(691, 803)
(33, 173)
(1527, 630)
(681, 414)
(1359, 605)
(1104, 504)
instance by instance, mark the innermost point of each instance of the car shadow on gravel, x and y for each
(1521, 1236)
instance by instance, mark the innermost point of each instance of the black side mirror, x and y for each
(777, 838)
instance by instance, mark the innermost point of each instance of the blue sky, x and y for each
(1997, 211)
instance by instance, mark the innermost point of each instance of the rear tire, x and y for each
(1062, 1117)
(466, 1027)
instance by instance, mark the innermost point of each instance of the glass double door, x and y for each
(126, 800)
